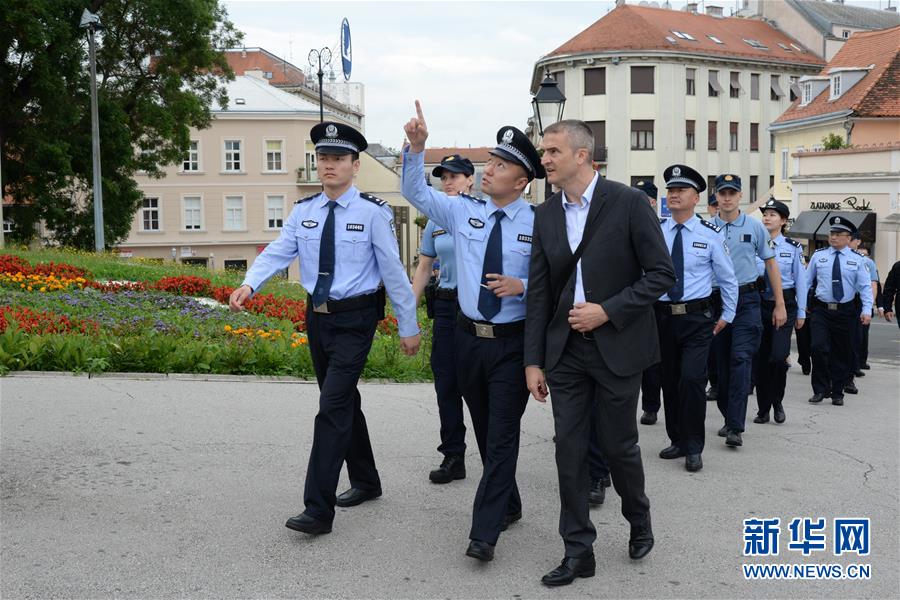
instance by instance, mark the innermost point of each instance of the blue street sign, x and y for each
(346, 52)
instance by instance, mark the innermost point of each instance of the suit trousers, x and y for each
(771, 360)
(651, 385)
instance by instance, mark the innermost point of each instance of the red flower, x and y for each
(185, 285)
(31, 321)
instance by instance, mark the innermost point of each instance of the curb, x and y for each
(190, 377)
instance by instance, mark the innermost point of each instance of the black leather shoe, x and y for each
(453, 467)
(837, 400)
(779, 413)
(671, 452)
(816, 398)
(712, 394)
(353, 496)
(734, 439)
(597, 493)
(480, 550)
(641, 541)
(858, 373)
(723, 432)
(648, 418)
(509, 519)
(606, 481)
(761, 418)
(850, 388)
(306, 524)
(569, 569)
(693, 463)
(865, 367)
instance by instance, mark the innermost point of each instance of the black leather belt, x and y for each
(832, 305)
(354, 303)
(484, 329)
(683, 308)
(445, 293)
(749, 287)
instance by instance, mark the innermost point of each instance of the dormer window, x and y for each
(807, 94)
(715, 39)
(684, 36)
(835, 87)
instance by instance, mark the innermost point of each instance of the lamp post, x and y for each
(320, 57)
(91, 22)
(548, 103)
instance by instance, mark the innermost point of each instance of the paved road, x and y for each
(180, 488)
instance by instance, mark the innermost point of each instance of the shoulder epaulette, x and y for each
(372, 198)
(308, 198)
(858, 253)
(794, 243)
(823, 248)
(533, 207)
(712, 226)
(473, 198)
(663, 220)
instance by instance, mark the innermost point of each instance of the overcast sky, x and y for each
(470, 63)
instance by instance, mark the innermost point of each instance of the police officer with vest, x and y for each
(838, 274)
(746, 239)
(456, 175)
(771, 361)
(685, 314)
(347, 247)
(650, 380)
(493, 248)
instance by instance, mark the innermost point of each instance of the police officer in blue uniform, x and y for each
(493, 248)
(838, 274)
(685, 316)
(771, 361)
(347, 247)
(650, 380)
(456, 174)
(712, 367)
(861, 333)
(746, 239)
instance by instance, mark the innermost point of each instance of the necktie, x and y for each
(488, 302)
(837, 282)
(677, 290)
(326, 259)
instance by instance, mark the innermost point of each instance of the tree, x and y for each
(833, 141)
(159, 71)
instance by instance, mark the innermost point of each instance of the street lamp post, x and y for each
(91, 22)
(548, 103)
(320, 57)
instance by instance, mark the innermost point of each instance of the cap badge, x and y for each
(448, 159)
(837, 219)
(640, 183)
(331, 131)
(728, 178)
(508, 136)
(676, 171)
(771, 203)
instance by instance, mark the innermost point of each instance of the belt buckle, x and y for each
(832, 306)
(321, 309)
(484, 330)
(678, 309)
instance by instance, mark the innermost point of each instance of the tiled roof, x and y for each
(875, 95)
(630, 27)
(477, 155)
(248, 59)
(824, 15)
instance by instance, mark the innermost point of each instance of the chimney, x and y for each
(691, 7)
(714, 11)
(891, 8)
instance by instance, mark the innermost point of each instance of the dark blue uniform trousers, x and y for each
(339, 344)
(832, 353)
(685, 341)
(443, 365)
(650, 388)
(771, 361)
(492, 381)
(735, 346)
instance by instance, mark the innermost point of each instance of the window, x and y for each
(641, 80)
(783, 47)
(192, 161)
(274, 212)
(807, 93)
(772, 143)
(689, 135)
(714, 87)
(753, 192)
(715, 39)
(560, 77)
(595, 81)
(312, 172)
(690, 87)
(599, 129)
(835, 86)
(149, 214)
(233, 155)
(756, 44)
(754, 86)
(642, 135)
(733, 136)
(771, 182)
(784, 164)
(274, 152)
(711, 184)
(7, 226)
(735, 85)
(754, 137)
(845, 34)
(234, 213)
(775, 92)
(712, 133)
(794, 87)
(235, 265)
(193, 213)
(684, 36)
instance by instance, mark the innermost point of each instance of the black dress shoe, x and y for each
(779, 413)
(648, 418)
(509, 519)
(837, 400)
(761, 418)
(480, 550)
(641, 541)
(734, 439)
(597, 493)
(453, 467)
(865, 367)
(353, 496)
(850, 388)
(306, 524)
(569, 569)
(606, 481)
(672, 451)
(723, 432)
(816, 398)
(693, 463)
(858, 373)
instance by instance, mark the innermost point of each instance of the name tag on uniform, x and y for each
(851, 263)
(310, 224)
(355, 227)
(702, 245)
(476, 223)
(437, 232)
(524, 238)
(786, 255)
(746, 238)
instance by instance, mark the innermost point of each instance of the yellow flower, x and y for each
(228, 328)
(43, 289)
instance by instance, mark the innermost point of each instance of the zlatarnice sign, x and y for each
(850, 201)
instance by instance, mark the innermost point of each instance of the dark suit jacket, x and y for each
(626, 267)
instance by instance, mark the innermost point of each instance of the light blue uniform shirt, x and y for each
(469, 222)
(854, 275)
(789, 256)
(705, 261)
(746, 239)
(366, 252)
(438, 243)
(576, 219)
(870, 265)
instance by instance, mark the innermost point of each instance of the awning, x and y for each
(807, 223)
(813, 224)
(775, 87)
(714, 81)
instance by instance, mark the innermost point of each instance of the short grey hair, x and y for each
(578, 133)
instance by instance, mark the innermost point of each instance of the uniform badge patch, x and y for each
(508, 136)
(437, 232)
(786, 255)
(331, 131)
(476, 223)
(746, 237)
(310, 224)
(702, 245)
(355, 227)
(524, 238)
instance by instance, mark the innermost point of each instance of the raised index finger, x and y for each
(419, 111)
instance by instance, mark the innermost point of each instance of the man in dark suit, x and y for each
(590, 327)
